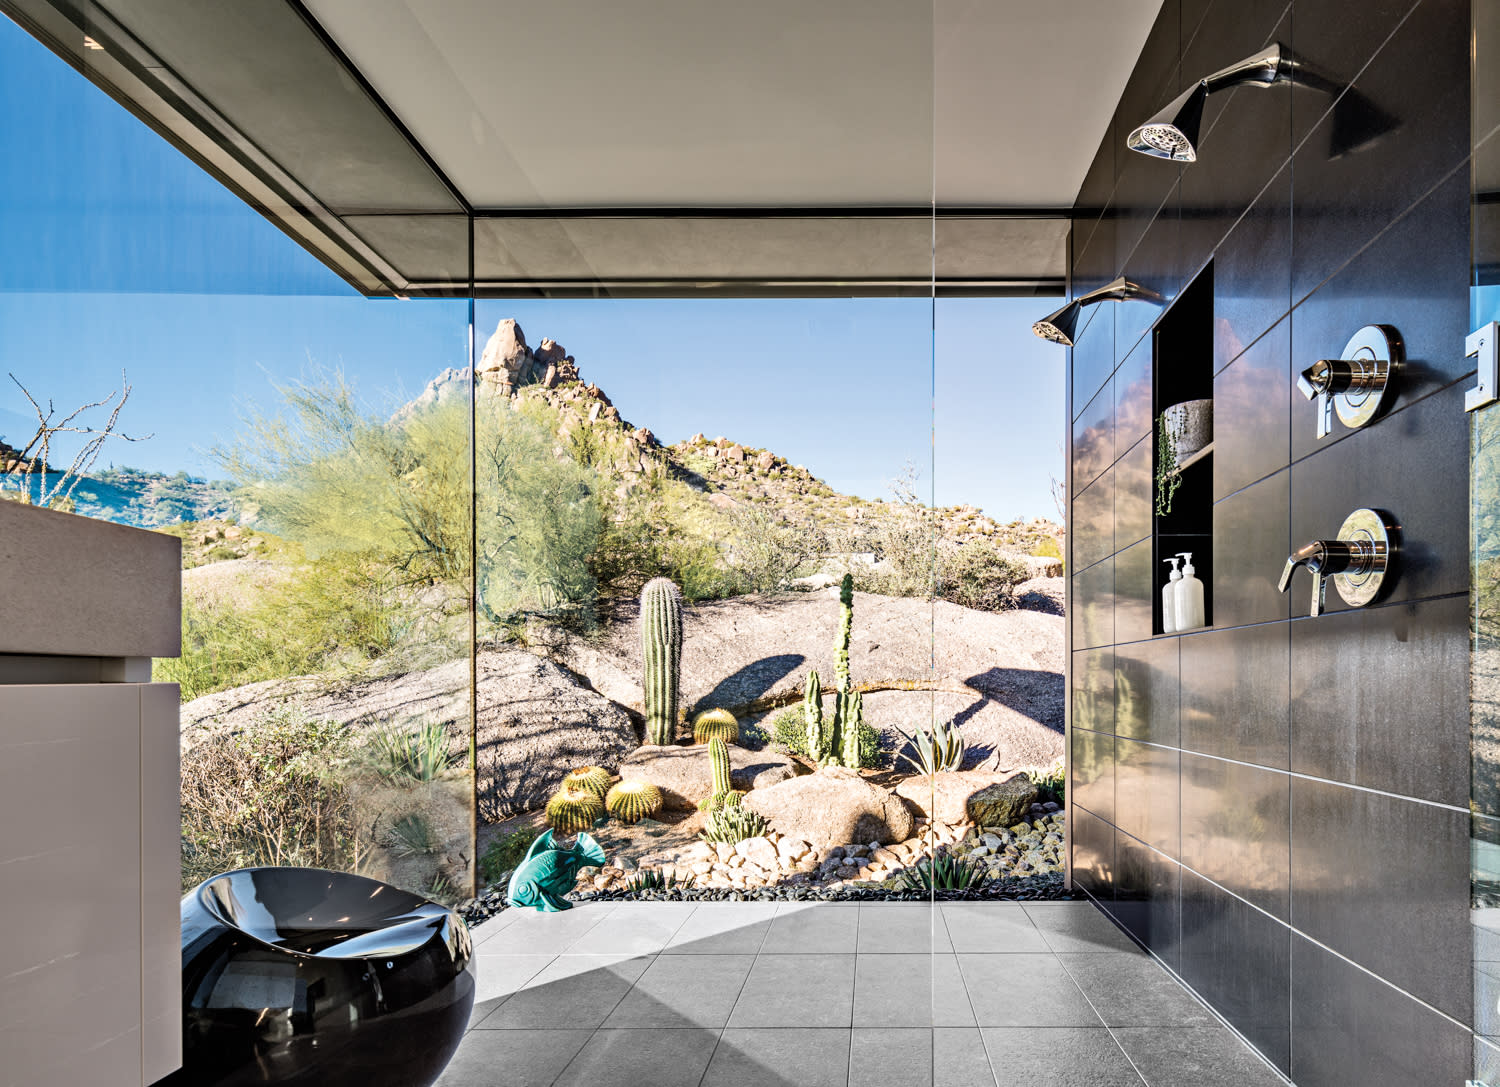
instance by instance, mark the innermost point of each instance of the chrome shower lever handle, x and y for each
(1357, 560)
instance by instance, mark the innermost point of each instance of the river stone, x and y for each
(944, 797)
(999, 804)
(832, 807)
(685, 776)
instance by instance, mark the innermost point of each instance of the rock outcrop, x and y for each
(684, 775)
(832, 807)
(508, 363)
(945, 797)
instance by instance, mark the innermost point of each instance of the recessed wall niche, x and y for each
(1182, 351)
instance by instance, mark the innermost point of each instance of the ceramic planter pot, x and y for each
(1192, 424)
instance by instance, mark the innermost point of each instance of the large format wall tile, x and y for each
(1411, 279)
(1234, 828)
(1093, 523)
(1385, 881)
(1147, 804)
(1252, 537)
(1147, 892)
(1379, 697)
(1239, 960)
(1093, 844)
(1093, 350)
(1093, 605)
(1156, 264)
(1133, 399)
(1342, 201)
(1412, 464)
(1349, 1028)
(1093, 682)
(1246, 132)
(1094, 438)
(1251, 417)
(1134, 495)
(1146, 690)
(1325, 36)
(1234, 693)
(1094, 771)
(1133, 591)
(1253, 271)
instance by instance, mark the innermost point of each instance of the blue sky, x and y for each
(117, 252)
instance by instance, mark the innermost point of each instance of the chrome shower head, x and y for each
(1173, 132)
(1062, 326)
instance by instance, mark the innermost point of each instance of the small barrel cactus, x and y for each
(715, 724)
(661, 654)
(632, 801)
(573, 810)
(595, 779)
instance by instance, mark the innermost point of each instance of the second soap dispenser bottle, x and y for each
(1169, 598)
(1188, 611)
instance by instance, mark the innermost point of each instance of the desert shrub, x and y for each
(787, 730)
(411, 835)
(336, 476)
(1051, 782)
(504, 854)
(1047, 548)
(271, 794)
(765, 555)
(976, 576)
(336, 613)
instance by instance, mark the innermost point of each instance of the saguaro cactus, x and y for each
(661, 652)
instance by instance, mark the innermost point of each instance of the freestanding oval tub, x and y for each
(305, 976)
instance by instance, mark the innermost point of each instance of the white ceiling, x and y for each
(775, 103)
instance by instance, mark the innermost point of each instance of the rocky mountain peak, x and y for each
(508, 363)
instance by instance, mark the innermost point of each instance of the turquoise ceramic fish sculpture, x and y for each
(548, 873)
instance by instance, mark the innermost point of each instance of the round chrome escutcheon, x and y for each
(1367, 529)
(1374, 350)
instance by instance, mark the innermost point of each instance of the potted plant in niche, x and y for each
(1182, 431)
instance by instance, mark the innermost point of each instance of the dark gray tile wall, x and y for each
(1277, 806)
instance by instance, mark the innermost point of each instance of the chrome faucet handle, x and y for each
(1357, 561)
(1358, 385)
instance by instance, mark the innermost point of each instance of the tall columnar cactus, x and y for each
(853, 717)
(846, 632)
(718, 757)
(812, 713)
(661, 652)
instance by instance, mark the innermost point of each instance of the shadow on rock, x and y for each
(751, 682)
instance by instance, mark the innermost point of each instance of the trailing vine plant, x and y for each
(1168, 479)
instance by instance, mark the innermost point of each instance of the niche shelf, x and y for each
(1182, 368)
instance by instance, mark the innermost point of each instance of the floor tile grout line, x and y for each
(739, 995)
(1112, 1035)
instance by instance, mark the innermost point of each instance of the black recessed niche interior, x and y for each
(1182, 356)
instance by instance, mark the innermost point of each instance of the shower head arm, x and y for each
(1274, 64)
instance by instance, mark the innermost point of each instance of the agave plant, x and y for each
(573, 810)
(410, 835)
(944, 872)
(632, 801)
(732, 823)
(654, 879)
(595, 779)
(937, 749)
(420, 755)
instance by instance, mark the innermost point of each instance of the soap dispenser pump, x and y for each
(1189, 613)
(1169, 598)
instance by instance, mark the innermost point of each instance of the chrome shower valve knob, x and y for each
(1357, 561)
(1358, 385)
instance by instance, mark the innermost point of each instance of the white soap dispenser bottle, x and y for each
(1169, 598)
(1189, 596)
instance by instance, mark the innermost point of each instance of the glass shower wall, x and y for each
(1484, 473)
(235, 393)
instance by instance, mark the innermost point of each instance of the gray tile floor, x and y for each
(842, 995)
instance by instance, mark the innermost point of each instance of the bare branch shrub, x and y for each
(31, 464)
